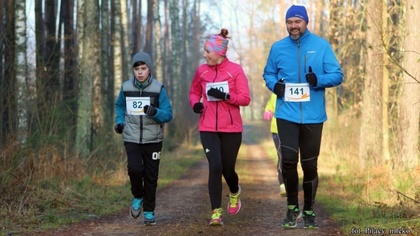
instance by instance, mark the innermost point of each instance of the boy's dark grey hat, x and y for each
(144, 57)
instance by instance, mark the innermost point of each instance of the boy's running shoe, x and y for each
(234, 204)
(309, 220)
(216, 217)
(149, 218)
(291, 217)
(135, 208)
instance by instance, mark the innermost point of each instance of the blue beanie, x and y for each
(297, 11)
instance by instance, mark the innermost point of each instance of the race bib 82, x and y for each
(135, 105)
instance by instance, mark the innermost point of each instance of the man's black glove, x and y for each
(150, 110)
(217, 94)
(198, 107)
(279, 89)
(119, 128)
(311, 78)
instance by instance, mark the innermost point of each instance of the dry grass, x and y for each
(46, 185)
(365, 195)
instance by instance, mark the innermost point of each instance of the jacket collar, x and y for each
(143, 85)
(223, 64)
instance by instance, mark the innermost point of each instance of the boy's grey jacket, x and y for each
(143, 129)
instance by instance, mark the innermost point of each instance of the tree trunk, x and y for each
(92, 50)
(193, 63)
(50, 85)
(334, 20)
(126, 57)
(410, 94)
(3, 81)
(319, 17)
(282, 26)
(135, 26)
(166, 57)
(69, 55)
(158, 41)
(370, 146)
(106, 61)
(39, 70)
(116, 30)
(21, 70)
(174, 71)
(139, 28)
(87, 28)
(149, 30)
(8, 81)
(385, 90)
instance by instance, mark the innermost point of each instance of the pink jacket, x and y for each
(221, 116)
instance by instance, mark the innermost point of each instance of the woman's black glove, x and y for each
(217, 93)
(198, 107)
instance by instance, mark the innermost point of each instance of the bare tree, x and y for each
(175, 67)
(385, 87)
(21, 70)
(3, 81)
(319, 17)
(370, 146)
(69, 55)
(88, 30)
(48, 84)
(117, 45)
(135, 26)
(166, 54)
(336, 13)
(157, 25)
(106, 62)
(8, 77)
(126, 56)
(195, 43)
(39, 40)
(410, 94)
(150, 30)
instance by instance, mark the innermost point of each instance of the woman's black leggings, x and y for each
(221, 150)
(306, 139)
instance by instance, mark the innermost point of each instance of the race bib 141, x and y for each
(297, 92)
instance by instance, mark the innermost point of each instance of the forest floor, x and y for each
(183, 208)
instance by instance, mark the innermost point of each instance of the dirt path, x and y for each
(183, 208)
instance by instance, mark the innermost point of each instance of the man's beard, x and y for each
(295, 36)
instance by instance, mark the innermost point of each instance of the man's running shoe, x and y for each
(234, 204)
(135, 208)
(309, 220)
(291, 217)
(282, 190)
(149, 218)
(216, 217)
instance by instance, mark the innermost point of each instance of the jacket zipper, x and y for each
(300, 104)
(217, 104)
(141, 121)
